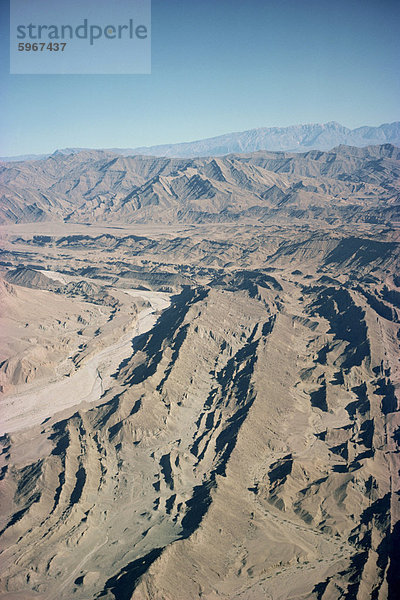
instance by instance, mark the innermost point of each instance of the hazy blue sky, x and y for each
(218, 66)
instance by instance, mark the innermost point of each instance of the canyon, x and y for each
(199, 376)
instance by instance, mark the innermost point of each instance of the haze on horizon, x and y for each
(217, 68)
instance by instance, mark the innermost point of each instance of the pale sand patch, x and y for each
(56, 276)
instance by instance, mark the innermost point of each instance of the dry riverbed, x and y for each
(40, 400)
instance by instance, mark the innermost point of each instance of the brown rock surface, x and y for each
(244, 446)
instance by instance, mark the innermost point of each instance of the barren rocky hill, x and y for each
(96, 186)
(208, 408)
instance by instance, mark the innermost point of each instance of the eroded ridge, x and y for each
(251, 445)
(244, 445)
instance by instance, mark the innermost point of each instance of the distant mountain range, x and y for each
(296, 138)
(101, 186)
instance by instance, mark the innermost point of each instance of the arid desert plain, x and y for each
(199, 373)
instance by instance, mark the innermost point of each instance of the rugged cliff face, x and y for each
(221, 420)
